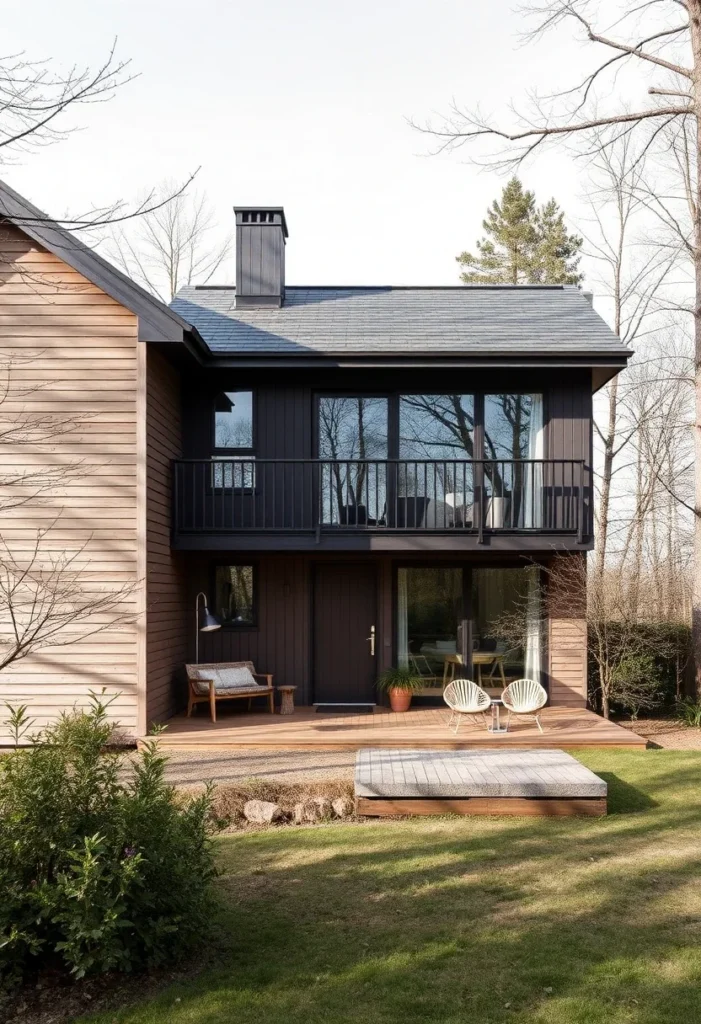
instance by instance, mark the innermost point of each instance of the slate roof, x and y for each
(467, 320)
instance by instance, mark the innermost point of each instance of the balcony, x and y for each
(375, 503)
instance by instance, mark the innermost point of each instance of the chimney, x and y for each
(260, 256)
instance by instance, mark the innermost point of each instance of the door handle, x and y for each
(371, 638)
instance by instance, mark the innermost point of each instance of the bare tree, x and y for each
(631, 275)
(47, 599)
(170, 246)
(658, 38)
(55, 600)
(37, 99)
(619, 641)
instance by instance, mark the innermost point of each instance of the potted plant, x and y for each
(400, 684)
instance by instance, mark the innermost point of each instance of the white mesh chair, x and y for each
(464, 697)
(524, 697)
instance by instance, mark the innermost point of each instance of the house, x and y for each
(355, 477)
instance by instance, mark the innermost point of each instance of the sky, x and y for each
(303, 104)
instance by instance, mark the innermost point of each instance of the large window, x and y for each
(439, 428)
(352, 432)
(513, 444)
(233, 440)
(234, 590)
(506, 624)
(429, 613)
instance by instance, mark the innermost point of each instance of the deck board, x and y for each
(563, 728)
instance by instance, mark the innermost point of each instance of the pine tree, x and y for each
(557, 255)
(524, 244)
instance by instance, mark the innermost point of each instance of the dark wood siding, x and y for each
(569, 432)
(166, 583)
(280, 642)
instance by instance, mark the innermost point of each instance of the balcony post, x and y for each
(580, 517)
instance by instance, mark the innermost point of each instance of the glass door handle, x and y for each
(371, 638)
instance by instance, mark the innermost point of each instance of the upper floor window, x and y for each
(513, 426)
(436, 426)
(233, 421)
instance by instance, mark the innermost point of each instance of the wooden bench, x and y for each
(213, 695)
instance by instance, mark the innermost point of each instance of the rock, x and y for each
(342, 807)
(261, 812)
(323, 806)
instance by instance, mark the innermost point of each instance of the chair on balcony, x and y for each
(464, 697)
(524, 697)
(231, 680)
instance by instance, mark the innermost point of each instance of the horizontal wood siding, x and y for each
(166, 634)
(74, 353)
(567, 641)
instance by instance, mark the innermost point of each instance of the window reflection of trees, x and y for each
(441, 428)
(507, 428)
(352, 429)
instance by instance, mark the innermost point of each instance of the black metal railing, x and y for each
(419, 495)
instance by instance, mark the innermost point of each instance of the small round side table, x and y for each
(287, 701)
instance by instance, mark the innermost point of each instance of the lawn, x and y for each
(561, 921)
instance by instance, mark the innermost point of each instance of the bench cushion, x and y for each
(237, 679)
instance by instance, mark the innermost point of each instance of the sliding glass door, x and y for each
(476, 621)
(430, 611)
(352, 432)
(506, 608)
(435, 486)
(513, 482)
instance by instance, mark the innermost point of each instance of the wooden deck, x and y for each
(417, 728)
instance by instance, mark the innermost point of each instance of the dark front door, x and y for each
(345, 603)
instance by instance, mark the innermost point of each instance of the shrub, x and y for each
(101, 866)
(635, 685)
(689, 711)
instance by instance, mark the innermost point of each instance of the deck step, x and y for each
(514, 782)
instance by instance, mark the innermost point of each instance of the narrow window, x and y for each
(234, 589)
(234, 459)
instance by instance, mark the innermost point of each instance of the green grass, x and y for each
(560, 921)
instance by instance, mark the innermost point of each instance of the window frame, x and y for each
(218, 454)
(393, 414)
(226, 564)
(240, 450)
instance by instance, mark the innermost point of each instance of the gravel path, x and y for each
(189, 767)
(666, 733)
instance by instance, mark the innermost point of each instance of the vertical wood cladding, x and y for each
(569, 433)
(166, 635)
(280, 642)
(73, 351)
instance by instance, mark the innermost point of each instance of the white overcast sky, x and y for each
(301, 103)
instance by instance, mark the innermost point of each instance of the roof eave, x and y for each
(157, 322)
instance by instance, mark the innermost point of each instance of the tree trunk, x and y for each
(605, 499)
(694, 8)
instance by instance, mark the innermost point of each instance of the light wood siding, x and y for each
(166, 635)
(567, 638)
(74, 353)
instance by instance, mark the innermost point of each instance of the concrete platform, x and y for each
(531, 782)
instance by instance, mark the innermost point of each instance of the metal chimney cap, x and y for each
(262, 215)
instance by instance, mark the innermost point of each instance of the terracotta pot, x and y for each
(399, 700)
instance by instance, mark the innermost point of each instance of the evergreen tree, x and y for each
(523, 244)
